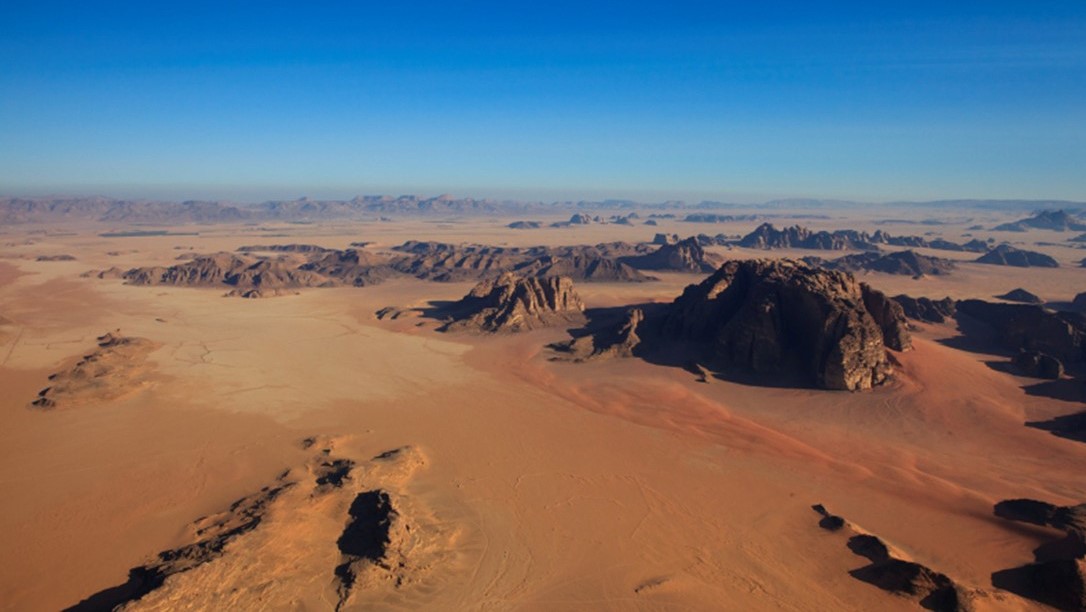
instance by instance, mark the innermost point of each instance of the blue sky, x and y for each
(743, 101)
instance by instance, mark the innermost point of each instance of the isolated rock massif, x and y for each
(1007, 255)
(908, 263)
(1055, 220)
(512, 303)
(780, 320)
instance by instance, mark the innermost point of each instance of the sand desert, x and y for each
(168, 443)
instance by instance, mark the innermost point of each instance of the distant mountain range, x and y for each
(14, 210)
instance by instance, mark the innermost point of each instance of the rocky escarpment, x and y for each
(616, 339)
(780, 320)
(512, 303)
(1058, 577)
(1007, 255)
(927, 310)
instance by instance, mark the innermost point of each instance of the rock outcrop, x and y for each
(1058, 579)
(1021, 296)
(890, 317)
(620, 340)
(1038, 365)
(1033, 328)
(927, 310)
(770, 316)
(892, 571)
(116, 367)
(512, 303)
(1055, 220)
(908, 263)
(683, 256)
(1007, 255)
(780, 320)
(766, 236)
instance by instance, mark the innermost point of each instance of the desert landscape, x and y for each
(393, 407)
(543, 306)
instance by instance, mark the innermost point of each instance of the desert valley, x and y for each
(444, 403)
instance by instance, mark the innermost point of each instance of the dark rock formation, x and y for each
(1038, 365)
(662, 239)
(1006, 255)
(890, 317)
(1078, 304)
(1021, 296)
(770, 316)
(365, 538)
(580, 219)
(619, 340)
(282, 248)
(766, 236)
(779, 320)
(1032, 327)
(515, 303)
(889, 572)
(926, 309)
(902, 262)
(683, 256)
(1059, 578)
(525, 225)
(1056, 220)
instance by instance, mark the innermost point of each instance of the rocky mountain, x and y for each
(1021, 296)
(512, 303)
(1055, 220)
(766, 236)
(926, 309)
(683, 256)
(780, 320)
(1007, 255)
(908, 263)
(1032, 327)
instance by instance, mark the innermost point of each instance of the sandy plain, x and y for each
(532, 484)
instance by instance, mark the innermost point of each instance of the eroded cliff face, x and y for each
(512, 303)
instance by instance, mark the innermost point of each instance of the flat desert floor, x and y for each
(525, 483)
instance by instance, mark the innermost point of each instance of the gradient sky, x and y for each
(741, 101)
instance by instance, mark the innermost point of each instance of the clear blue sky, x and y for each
(742, 101)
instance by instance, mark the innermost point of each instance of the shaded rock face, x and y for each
(661, 239)
(683, 256)
(1022, 296)
(514, 303)
(926, 309)
(769, 316)
(890, 317)
(903, 262)
(1058, 579)
(1079, 303)
(1038, 365)
(1032, 328)
(525, 225)
(1006, 255)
